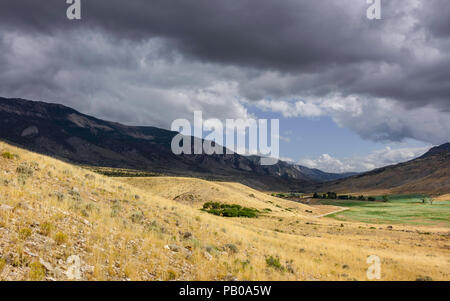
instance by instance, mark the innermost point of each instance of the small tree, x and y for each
(331, 195)
(426, 199)
(385, 198)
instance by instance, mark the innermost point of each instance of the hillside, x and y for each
(64, 133)
(60, 222)
(428, 174)
(196, 192)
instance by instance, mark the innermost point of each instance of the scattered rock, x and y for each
(207, 256)
(173, 248)
(30, 253)
(345, 267)
(230, 277)
(88, 269)
(46, 265)
(390, 227)
(4, 207)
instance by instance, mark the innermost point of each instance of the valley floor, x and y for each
(60, 222)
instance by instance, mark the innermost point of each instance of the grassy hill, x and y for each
(52, 213)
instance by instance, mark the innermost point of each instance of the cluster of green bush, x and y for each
(10, 156)
(227, 210)
(335, 196)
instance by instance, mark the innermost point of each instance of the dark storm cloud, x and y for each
(286, 35)
(273, 49)
(436, 18)
(329, 37)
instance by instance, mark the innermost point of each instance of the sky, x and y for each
(352, 94)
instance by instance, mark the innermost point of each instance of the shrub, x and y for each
(37, 271)
(59, 196)
(137, 217)
(424, 278)
(274, 262)
(385, 198)
(371, 199)
(315, 195)
(45, 228)
(8, 155)
(2, 264)
(232, 248)
(361, 198)
(25, 169)
(60, 238)
(227, 210)
(24, 233)
(212, 205)
(115, 209)
(331, 195)
(171, 275)
(75, 193)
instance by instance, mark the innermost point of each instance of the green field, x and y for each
(400, 209)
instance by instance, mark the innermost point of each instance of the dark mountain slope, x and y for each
(429, 174)
(62, 132)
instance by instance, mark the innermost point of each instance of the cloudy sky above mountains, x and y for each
(351, 93)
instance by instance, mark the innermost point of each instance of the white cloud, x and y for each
(287, 109)
(373, 119)
(376, 159)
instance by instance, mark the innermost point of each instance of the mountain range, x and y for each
(66, 134)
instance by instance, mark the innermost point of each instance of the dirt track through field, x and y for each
(329, 213)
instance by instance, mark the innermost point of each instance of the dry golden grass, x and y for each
(133, 229)
(444, 197)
